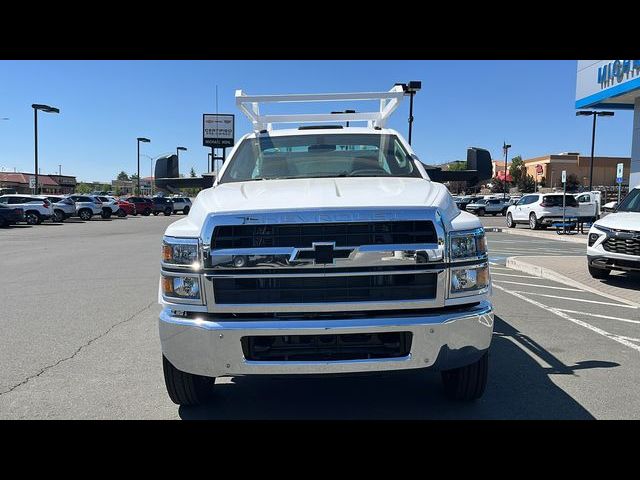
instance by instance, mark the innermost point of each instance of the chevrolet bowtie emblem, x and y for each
(322, 253)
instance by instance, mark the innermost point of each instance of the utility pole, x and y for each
(505, 148)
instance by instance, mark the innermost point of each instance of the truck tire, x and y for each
(467, 383)
(185, 388)
(85, 214)
(599, 273)
(533, 222)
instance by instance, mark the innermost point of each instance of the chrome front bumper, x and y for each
(442, 340)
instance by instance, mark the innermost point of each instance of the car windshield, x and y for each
(319, 156)
(631, 202)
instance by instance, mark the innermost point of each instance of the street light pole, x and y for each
(506, 148)
(46, 109)
(143, 140)
(595, 114)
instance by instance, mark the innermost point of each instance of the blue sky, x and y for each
(105, 105)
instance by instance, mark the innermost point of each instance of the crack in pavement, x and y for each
(48, 367)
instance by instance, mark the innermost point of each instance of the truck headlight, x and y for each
(469, 280)
(181, 252)
(467, 244)
(185, 287)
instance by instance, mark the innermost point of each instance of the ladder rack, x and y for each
(250, 106)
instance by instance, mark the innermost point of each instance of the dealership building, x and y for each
(613, 85)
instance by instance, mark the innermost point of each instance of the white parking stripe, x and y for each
(631, 339)
(622, 305)
(599, 331)
(606, 317)
(538, 285)
(513, 275)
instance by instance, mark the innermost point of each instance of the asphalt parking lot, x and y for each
(79, 312)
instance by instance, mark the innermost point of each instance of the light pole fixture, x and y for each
(505, 148)
(143, 140)
(595, 114)
(178, 150)
(411, 89)
(46, 109)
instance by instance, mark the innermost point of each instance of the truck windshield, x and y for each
(319, 156)
(631, 202)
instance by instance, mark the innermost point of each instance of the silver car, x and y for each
(63, 207)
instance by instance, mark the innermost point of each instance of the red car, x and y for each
(143, 205)
(127, 208)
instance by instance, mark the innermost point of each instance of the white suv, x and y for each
(181, 204)
(36, 209)
(614, 241)
(541, 210)
(87, 206)
(109, 206)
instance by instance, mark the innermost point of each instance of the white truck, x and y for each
(324, 249)
(589, 205)
(614, 241)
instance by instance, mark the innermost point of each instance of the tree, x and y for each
(572, 182)
(123, 176)
(457, 166)
(497, 185)
(134, 176)
(193, 173)
(527, 184)
(83, 187)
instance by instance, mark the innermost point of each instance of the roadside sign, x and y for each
(619, 172)
(564, 176)
(32, 182)
(218, 130)
(538, 169)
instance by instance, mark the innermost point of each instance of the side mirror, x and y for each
(479, 159)
(610, 207)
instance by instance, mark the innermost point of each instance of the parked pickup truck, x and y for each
(589, 205)
(614, 241)
(357, 262)
(491, 206)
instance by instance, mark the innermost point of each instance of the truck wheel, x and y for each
(185, 210)
(533, 222)
(467, 383)
(599, 273)
(85, 214)
(167, 211)
(185, 388)
(33, 218)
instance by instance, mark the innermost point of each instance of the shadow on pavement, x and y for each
(628, 280)
(518, 388)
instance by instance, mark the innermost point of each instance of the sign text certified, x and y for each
(218, 130)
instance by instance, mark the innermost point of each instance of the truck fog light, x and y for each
(469, 279)
(187, 287)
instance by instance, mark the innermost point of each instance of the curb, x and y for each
(530, 233)
(516, 264)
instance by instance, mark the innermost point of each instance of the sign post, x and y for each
(619, 171)
(564, 200)
(218, 132)
(32, 184)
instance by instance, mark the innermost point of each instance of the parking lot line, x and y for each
(555, 311)
(622, 305)
(597, 315)
(512, 275)
(538, 285)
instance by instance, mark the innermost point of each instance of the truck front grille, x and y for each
(305, 234)
(625, 246)
(352, 346)
(356, 288)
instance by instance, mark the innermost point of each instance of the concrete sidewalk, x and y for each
(572, 271)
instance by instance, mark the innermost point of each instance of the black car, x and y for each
(464, 201)
(10, 215)
(162, 205)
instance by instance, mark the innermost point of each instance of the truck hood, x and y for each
(621, 221)
(314, 193)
